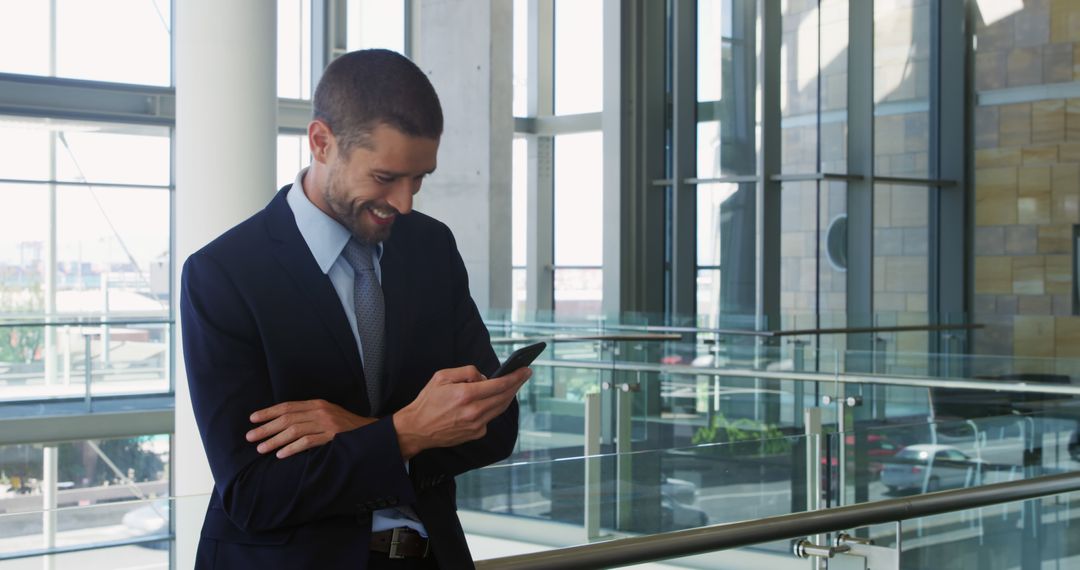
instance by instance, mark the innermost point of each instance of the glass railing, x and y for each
(106, 534)
(630, 429)
(65, 358)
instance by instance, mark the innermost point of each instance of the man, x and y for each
(334, 354)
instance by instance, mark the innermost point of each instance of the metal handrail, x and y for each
(55, 550)
(645, 337)
(844, 378)
(85, 322)
(736, 332)
(677, 544)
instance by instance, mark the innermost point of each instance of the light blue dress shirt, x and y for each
(326, 239)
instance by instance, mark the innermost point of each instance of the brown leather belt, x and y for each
(401, 542)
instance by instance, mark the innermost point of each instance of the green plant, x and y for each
(771, 440)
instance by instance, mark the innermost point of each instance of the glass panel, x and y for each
(1039, 533)
(111, 242)
(94, 152)
(125, 41)
(375, 24)
(579, 196)
(521, 58)
(24, 38)
(832, 267)
(106, 491)
(24, 229)
(294, 49)
(519, 200)
(147, 556)
(139, 466)
(1026, 201)
(578, 292)
(114, 40)
(726, 78)
(901, 88)
(519, 294)
(38, 362)
(725, 240)
(708, 298)
(292, 155)
(24, 144)
(901, 266)
(113, 154)
(799, 263)
(514, 505)
(799, 74)
(813, 94)
(579, 56)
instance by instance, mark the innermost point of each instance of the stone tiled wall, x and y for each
(1027, 185)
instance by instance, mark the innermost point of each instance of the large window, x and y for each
(294, 49)
(558, 82)
(124, 41)
(578, 226)
(376, 24)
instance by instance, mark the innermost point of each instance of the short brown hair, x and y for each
(362, 89)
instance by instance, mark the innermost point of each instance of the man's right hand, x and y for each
(454, 407)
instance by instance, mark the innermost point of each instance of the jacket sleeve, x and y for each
(228, 376)
(472, 345)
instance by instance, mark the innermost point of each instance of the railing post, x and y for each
(49, 478)
(592, 466)
(88, 377)
(814, 481)
(623, 447)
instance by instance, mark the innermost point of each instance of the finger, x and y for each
(274, 411)
(460, 374)
(304, 443)
(289, 435)
(269, 428)
(495, 386)
(506, 385)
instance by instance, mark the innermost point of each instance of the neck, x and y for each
(315, 188)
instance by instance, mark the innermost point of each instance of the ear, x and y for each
(321, 141)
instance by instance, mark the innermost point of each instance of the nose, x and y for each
(401, 198)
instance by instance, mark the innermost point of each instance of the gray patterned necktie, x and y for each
(370, 317)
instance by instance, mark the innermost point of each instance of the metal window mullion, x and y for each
(949, 223)
(616, 134)
(684, 164)
(328, 34)
(767, 208)
(540, 235)
(860, 193)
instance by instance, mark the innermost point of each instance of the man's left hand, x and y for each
(292, 427)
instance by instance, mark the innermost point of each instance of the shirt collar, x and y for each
(325, 237)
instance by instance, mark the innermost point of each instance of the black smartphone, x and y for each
(521, 358)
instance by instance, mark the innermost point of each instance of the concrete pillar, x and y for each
(226, 133)
(470, 191)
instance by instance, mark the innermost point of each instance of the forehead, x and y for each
(391, 150)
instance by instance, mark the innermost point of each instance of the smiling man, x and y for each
(334, 354)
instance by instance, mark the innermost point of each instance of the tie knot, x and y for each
(359, 255)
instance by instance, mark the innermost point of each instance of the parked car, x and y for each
(879, 449)
(930, 467)
(149, 520)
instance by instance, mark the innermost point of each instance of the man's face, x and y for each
(375, 183)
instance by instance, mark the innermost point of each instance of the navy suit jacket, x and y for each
(262, 325)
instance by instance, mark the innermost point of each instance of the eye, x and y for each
(383, 179)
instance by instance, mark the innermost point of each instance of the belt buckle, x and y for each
(395, 541)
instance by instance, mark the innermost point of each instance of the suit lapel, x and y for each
(314, 286)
